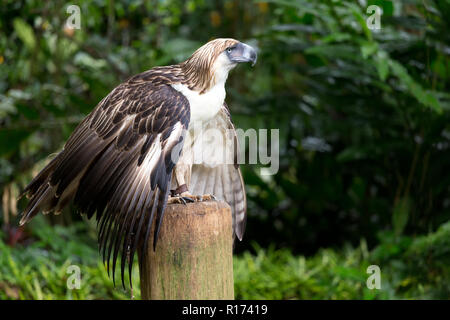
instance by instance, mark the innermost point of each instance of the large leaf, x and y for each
(401, 214)
(25, 33)
(10, 139)
(425, 97)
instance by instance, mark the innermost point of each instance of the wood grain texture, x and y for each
(194, 255)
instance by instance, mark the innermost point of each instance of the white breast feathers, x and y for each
(204, 107)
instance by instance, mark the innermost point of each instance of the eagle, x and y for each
(138, 150)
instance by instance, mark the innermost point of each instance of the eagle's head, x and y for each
(211, 63)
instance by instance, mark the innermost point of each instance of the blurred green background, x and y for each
(364, 126)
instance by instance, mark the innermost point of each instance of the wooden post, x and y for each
(194, 254)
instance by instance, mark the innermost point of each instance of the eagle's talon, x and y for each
(206, 197)
(187, 199)
(180, 199)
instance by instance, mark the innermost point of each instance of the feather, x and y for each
(116, 164)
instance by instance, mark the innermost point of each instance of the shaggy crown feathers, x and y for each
(198, 69)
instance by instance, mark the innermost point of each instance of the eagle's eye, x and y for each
(230, 49)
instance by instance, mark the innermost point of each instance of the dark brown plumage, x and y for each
(105, 163)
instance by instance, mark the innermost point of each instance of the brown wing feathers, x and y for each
(118, 163)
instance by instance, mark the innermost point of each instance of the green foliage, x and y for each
(25, 33)
(277, 274)
(410, 268)
(39, 270)
(363, 118)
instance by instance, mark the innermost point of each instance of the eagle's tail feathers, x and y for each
(225, 182)
(240, 204)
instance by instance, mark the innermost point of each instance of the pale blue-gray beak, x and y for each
(242, 52)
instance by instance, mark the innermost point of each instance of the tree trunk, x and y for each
(194, 254)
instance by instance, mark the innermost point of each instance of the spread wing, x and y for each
(118, 162)
(219, 173)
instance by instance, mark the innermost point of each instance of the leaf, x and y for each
(179, 49)
(11, 139)
(400, 215)
(368, 48)
(6, 106)
(336, 37)
(427, 98)
(25, 33)
(351, 154)
(382, 65)
(360, 18)
(333, 51)
(85, 60)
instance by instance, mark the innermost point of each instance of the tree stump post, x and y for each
(194, 254)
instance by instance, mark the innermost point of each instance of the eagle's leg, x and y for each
(181, 194)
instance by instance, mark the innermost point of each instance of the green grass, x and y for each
(410, 268)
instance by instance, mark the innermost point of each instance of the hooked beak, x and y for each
(243, 53)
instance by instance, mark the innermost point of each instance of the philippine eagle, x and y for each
(130, 156)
